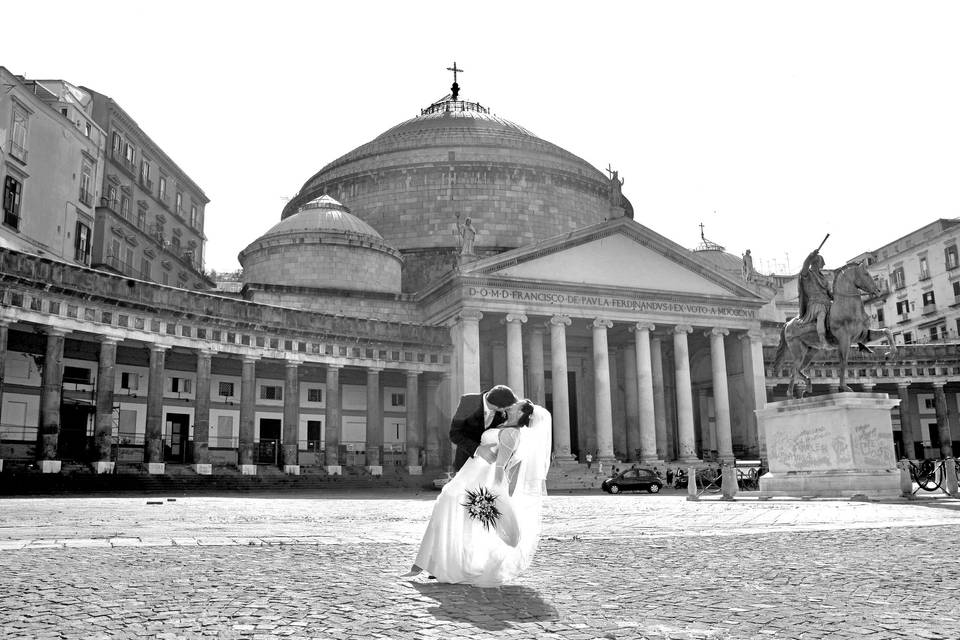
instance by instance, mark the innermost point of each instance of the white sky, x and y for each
(773, 123)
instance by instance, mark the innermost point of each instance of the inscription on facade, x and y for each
(646, 305)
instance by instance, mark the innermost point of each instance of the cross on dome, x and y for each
(454, 88)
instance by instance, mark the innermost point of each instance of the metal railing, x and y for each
(86, 197)
(17, 433)
(930, 474)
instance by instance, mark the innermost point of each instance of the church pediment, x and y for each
(615, 254)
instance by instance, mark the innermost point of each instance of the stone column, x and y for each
(659, 396)
(414, 425)
(943, 420)
(649, 455)
(601, 390)
(681, 357)
(291, 419)
(154, 430)
(374, 440)
(51, 387)
(248, 407)
(756, 388)
(201, 418)
(538, 384)
(908, 426)
(448, 406)
(721, 395)
(498, 355)
(435, 434)
(332, 421)
(4, 329)
(632, 402)
(707, 440)
(514, 322)
(103, 429)
(465, 334)
(561, 400)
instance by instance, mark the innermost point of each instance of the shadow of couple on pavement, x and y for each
(491, 609)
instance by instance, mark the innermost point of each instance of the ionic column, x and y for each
(498, 356)
(721, 395)
(756, 388)
(248, 406)
(685, 428)
(514, 322)
(332, 421)
(4, 328)
(374, 438)
(659, 397)
(103, 421)
(646, 399)
(201, 419)
(465, 335)
(434, 433)
(707, 437)
(561, 400)
(908, 426)
(538, 384)
(632, 409)
(291, 418)
(50, 392)
(154, 429)
(601, 390)
(414, 424)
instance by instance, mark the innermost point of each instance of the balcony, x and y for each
(86, 197)
(17, 152)
(924, 275)
(929, 308)
(128, 166)
(122, 267)
(147, 183)
(903, 317)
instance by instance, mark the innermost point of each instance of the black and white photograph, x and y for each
(549, 320)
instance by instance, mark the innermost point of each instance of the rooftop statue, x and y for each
(747, 269)
(466, 234)
(828, 319)
(616, 184)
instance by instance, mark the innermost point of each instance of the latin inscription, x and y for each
(608, 302)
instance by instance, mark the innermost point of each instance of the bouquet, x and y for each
(481, 505)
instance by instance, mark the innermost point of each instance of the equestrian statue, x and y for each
(829, 319)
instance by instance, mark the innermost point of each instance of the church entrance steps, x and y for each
(568, 475)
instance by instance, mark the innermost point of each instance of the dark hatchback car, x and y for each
(633, 480)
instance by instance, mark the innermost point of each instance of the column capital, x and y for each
(56, 332)
(159, 348)
(515, 318)
(754, 335)
(332, 365)
(374, 370)
(904, 384)
(250, 359)
(643, 326)
(412, 374)
(717, 331)
(682, 329)
(292, 363)
(560, 319)
(110, 340)
(601, 323)
(206, 353)
(938, 384)
(468, 315)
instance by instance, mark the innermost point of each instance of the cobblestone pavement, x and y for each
(609, 567)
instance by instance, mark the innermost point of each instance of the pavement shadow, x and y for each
(491, 609)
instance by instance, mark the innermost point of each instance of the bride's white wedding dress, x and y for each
(462, 549)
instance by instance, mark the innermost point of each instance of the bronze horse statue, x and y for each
(847, 324)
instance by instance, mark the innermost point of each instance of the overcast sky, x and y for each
(772, 123)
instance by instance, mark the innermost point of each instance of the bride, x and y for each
(485, 525)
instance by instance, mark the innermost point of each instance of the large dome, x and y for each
(456, 160)
(322, 246)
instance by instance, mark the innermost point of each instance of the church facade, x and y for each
(453, 252)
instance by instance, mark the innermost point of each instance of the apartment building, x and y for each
(919, 278)
(149, 222)
(51, 166)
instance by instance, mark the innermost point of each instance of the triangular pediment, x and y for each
(619, 253)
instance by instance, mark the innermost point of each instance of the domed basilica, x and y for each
(455, 251)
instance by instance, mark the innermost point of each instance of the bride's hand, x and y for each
(488, 452)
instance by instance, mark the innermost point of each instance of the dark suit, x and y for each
(467, 427)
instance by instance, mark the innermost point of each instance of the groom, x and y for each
(476, 413)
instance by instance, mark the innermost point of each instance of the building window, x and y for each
(117, 145)
(938, 332)
(145, 173)
(86, 181)
(145, 268)
(225, 389)
(129, 381)
(924, 269)
(112, 197)
(956, 288)
(898, 279)
(163, 187)
(903, 308)
(18, 142)
(928, 299)
(128, 267)
(178, 206)
(76, 375)
(193, 216)
(181, 385)
(950, 257)
(125, 207)
(907, 337)
(12, 190)
(81, 241)
(268, 392)
(315, 395)
(880, 316)
(142, 219)
(130, 155)
(397, 400)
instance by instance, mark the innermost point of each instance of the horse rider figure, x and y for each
(815, 296)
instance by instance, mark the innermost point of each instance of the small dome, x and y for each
(323, 214)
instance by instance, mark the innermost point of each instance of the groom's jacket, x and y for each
(467, 427)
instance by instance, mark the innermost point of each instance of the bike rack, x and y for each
(930, 474)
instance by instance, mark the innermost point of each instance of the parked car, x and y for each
(633, 480)
(444, 479)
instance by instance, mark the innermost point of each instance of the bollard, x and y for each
(906, 482)
(950, 477)
(692, 484)
(729, 482)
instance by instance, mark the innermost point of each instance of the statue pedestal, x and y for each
(837, 445)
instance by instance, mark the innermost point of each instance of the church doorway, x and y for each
(178, 433)
(72, 443)
(269, 445)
